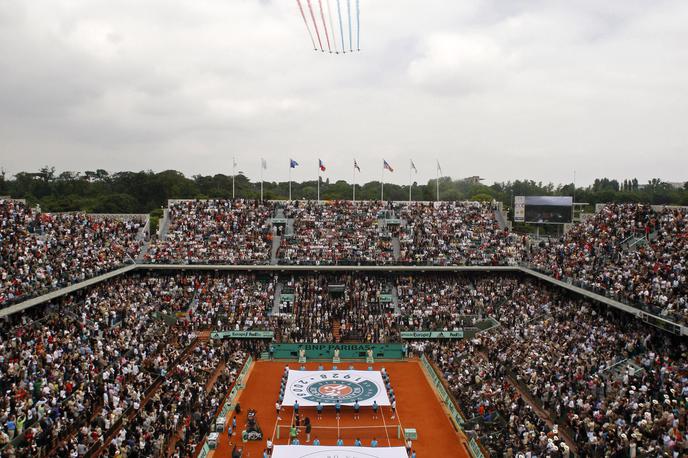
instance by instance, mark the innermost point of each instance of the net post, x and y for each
(278, 430)
(398, 431)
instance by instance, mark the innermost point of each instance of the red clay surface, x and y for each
(417, 407)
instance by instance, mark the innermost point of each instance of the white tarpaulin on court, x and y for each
(333, 451)
(311, 387)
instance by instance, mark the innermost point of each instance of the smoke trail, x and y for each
(315, 24)
(341, 28)
(310, 34)
(348, 7)
(334, 36)
(358, 25)
(327, 36)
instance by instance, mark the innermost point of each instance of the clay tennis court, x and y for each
(417, 407)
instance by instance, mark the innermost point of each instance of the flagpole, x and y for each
(410, 162)
(354, 180)
(290, 179)
(437, 182)
(233, 174)
(318, 181)
(261, 179)
(382, 183)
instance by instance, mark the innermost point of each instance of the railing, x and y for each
(227, 406)
(455, 414)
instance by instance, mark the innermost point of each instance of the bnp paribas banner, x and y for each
(242, 335)
(327, 387)
(432, 334)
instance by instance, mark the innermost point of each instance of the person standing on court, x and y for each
(296, 407)
(373, 443)
(337, 408)
(375, 407)
(357, 408)
(409, 445)
(307, 424)
(278, 407)
(394, 408)
(316, 441)
(340, 442)
(357, 442)
(319, 410)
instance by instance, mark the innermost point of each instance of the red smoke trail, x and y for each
(315, 24)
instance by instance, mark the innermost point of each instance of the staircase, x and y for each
(276, 239)
(142, 253)
(501, 220)
(164, 224)
(396, 248)
(277, 300)
(395, 300)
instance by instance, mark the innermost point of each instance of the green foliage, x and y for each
(147, 191)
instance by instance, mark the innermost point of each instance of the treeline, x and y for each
(147, 191)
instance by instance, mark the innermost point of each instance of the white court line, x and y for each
(382, 411)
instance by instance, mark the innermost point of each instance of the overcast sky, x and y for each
(500, 89)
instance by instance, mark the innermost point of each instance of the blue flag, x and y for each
(293, 163)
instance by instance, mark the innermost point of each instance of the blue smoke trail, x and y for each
(341, 27)
(348, 7)
(358, 25)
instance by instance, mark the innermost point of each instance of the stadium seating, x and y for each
(40, 252)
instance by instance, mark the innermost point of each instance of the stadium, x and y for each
(471, 340)
(343, 229)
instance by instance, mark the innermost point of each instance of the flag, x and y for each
(356, 165)
(321, 165)
(293, 163)
(439, 169)
(413, 167)
(234, 162)
(387, 166)
(263, 164)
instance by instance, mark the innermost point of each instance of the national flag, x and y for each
(439, 169)
(413, 167)
(263, 164)
(293, 163)
(387, 166)
(321, 165)
(234, 162)
(356, 165)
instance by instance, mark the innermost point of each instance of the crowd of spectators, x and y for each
(615, 387)
(338, 232)
(628, 251)
(215, 232)
(44, 251)
(337, 307)
(180, 413)
(455, 233)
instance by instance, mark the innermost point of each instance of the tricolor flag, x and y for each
(413, 167)
(356, 165)
(263, 164)
(293, 163)
(321, 165)
(439, 169)
(387, 166)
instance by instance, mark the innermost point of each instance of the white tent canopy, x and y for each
(333, 451)
(326, 387)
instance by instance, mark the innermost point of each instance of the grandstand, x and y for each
(116, 342)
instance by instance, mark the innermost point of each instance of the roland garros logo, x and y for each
(333, 386)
